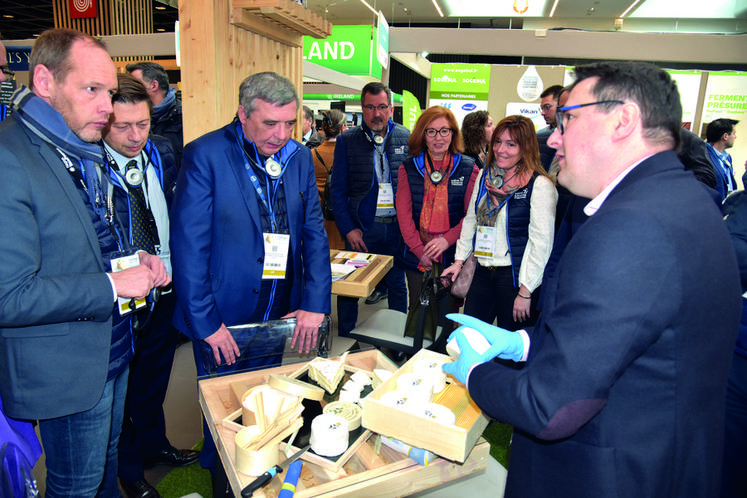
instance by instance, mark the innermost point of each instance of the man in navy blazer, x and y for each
(622, 392)
(247, 233)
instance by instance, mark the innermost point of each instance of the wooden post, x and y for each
(222, 42)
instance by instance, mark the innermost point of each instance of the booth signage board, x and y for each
(18, 58)
(462, 88)
(349, 49)
(688, 84)
(382, 35)
(410, 110)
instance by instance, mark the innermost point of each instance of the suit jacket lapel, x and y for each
(237, 162)
(71, 192)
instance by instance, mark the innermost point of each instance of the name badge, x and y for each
(386, 196)
(276, 255)
(485, 239)
(127, 305)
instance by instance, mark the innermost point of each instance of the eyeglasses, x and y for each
(444, 132)
(7, 71)
(546, 107)
(563, 118)
(380, 107)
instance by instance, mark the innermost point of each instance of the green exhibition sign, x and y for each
(460, 81)
(410, 110)
(349, 49)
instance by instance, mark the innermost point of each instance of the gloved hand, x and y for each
(504, 344)
(467, 357)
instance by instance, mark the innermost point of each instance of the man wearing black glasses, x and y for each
(623, 386)
(363, 187)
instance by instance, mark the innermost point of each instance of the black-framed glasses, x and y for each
(444, 132)
(563, 118)
(380, 107)
(7, 71)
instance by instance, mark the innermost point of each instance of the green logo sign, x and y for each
(410, 110)
(460, 81)
(349, 50)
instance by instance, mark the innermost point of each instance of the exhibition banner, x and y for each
(410, 110)
(688, 84)
(463, 88)
(349, 49)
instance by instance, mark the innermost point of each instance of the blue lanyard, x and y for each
(272, 186)
(484, 192)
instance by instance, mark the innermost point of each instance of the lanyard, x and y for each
(379, 148)
(272, 186)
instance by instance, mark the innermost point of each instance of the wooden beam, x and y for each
(260, 26)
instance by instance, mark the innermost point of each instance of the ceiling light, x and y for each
(435, 4)
(159, 7)
(521, 6)
(552, 11)
(630, 8)
(369, 7)
(160, 29)
(8, 16)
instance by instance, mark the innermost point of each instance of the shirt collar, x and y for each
(593, 206)
(122, 160)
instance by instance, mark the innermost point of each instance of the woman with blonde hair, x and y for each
(509, 226)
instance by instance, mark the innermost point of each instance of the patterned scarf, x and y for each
(434, 217)
(500, 184)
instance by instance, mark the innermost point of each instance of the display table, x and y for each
(368, 473)
(362, 281)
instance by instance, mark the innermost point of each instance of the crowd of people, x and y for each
(613, 317)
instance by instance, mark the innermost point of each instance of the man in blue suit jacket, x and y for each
(622, 392)
(247, 233)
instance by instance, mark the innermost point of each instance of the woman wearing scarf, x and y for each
(477, 128)
(435, 183)
(509, 226)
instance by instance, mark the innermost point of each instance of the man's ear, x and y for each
(628, 120)
(725, 137)
(241, 114)
(43, 81)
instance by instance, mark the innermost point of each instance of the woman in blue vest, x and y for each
(509, 226)
(435, 183)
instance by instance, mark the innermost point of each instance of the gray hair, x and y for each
(271, 87)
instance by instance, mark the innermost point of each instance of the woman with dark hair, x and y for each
(435, 184)
(477, 128)
(509, 226)
(333, 123)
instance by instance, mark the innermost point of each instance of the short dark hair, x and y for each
(307, 113)
(718, 127)
(473, 131)
(553, 90)
(270, 87)
(152, 72)
(131, 90)
(650, 87)
(375, 88)
(52, 50)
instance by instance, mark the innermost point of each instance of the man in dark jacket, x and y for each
(64, 363)
(364, 186)
(137, 168)
(167, 109)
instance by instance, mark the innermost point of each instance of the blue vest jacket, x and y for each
(354, 187)
(457, 189)
(517, 222)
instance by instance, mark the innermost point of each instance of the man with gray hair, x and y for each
(247, 233)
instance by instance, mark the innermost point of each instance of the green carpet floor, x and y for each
(194, 479)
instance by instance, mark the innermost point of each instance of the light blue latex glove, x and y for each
(467, 357)
(504, 344)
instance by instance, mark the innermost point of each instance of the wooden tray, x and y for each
(452, 442)
(362, 281)
(368, 473)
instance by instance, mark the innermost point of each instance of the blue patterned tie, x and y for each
(142, 237)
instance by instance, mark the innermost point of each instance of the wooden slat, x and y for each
(258, 25)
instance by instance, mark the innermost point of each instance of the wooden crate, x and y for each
(362, 281)
(451, 442)
(372, 471)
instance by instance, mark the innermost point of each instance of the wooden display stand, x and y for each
(371, 472)
(362, 281)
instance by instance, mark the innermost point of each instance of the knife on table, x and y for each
(275, 470)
